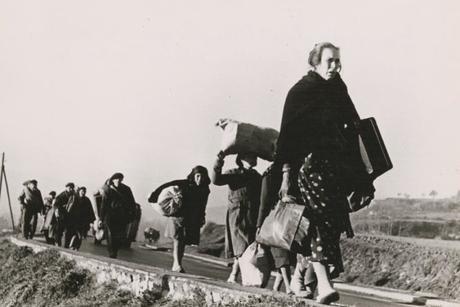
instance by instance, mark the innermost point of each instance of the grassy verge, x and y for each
(47, 279)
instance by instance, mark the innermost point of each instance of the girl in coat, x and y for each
(184, 227)
(283, 259)
(243, 205)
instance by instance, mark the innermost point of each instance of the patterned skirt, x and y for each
(319, 185)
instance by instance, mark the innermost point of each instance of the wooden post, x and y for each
(3, 176)
(9, 199)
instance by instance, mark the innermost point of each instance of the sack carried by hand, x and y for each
(255, 265)
(285, 227)
(246, 138)
(169, 201)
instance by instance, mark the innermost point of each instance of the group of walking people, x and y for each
(317, 164)
(68, 216)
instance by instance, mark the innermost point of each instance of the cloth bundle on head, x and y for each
(70, 185)
(241, 137)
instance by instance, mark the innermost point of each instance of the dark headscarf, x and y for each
(117, 176)
(199, 170)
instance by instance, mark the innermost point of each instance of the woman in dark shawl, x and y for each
(318, 153)
(184, 227)
(117, 210)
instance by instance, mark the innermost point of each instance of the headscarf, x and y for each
(81, 188)
(199, 170)
(117, 176)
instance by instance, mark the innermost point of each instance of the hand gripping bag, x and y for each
(255, 265)
(247, 138)
(169, 201)
(285, 227)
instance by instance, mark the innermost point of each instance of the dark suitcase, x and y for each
(372, 147)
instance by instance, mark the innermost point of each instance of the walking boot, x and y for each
(297, 283)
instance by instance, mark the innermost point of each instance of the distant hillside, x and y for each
(412, 208)
(410, 217)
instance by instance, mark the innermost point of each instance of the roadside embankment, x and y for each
(384, 262)
(35, 274)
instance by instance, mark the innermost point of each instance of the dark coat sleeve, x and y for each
(230, 177)
(61, 200)
(104, 205)
(22, 198)
(40, 204)
(130, 202)
(89, 213)
(297, 125)
(271, 181)
(203, 208)
(129, 196)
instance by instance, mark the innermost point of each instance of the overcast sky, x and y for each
(88, 88)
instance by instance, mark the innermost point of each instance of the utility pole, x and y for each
(3, 177)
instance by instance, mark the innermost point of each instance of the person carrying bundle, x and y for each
(64, 201)
(185, 220)
(282, 258)
(243, 204)
(117, 210)
(48, 212)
